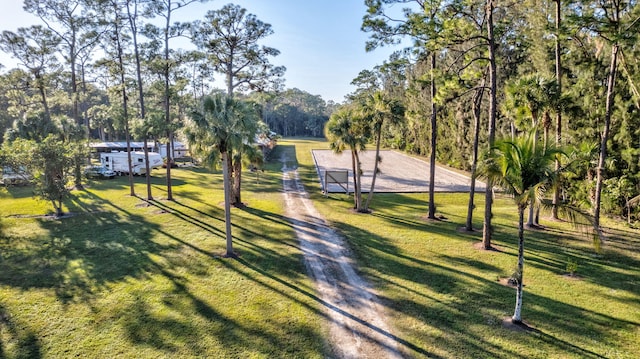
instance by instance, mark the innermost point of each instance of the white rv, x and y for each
(179, 150)
(118, 162)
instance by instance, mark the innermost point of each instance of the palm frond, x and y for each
(634, 201)
(579, 219)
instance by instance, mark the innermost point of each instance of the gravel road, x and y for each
(357, 323)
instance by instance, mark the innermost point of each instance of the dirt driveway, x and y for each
(398, 173)
(357, 325)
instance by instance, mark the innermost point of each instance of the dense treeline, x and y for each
(110, 70)
(566, 70)
(294, 112)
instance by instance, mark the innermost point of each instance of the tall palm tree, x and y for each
(215, 129)
(523, 170)
(347, 129)
(378, 108)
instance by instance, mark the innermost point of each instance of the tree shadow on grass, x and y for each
(553, 248)
(196, 219)
(264, 278)
(79, 255)
(254, 236)
(279, 271)
(180, 321)
(24, 341)
(467, 307)
(192, 316)
(16, 191)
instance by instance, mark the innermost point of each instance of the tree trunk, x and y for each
(125, 113)
(358, 174)
(530, 221)
(517, 314)
(57, 206)
(134, 33)
(229, 79)
(169, 162)
(167, 105)
(477, 102)
(45, 103)
(556, 192)
(434, 134)
(83, 105)
(237, 178)
(605, 134)
(488, 204)
(355, 180)
(230, 173)
(148, 170)
(375, 169)
(227, 203)
(534, 123)
(74, 83)
(76, 117)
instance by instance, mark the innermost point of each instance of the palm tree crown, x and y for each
(521, 168)
(223, 123)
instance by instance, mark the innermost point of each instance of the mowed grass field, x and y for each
(123, 277)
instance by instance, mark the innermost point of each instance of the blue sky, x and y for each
(320, 41)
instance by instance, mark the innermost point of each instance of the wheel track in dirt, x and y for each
(357, 324)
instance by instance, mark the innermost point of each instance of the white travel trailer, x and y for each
(118, 162)
(179, 150)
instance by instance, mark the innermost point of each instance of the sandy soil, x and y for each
(398, 173)
(357, 323)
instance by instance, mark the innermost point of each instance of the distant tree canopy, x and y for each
(294, 112)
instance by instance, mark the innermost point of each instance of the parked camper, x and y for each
(179, 150)
(118, 162)
(16, 177)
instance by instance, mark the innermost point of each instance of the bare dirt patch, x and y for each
(463, 229)
(522, 326)
(480, 246)
(357, 324)
(507, 282)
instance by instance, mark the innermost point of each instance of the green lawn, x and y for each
(127, 278)
(444, 296)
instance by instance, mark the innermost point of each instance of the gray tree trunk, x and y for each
(227, 204)
(434, 135)
(488, 204)
(357, 174)
(477, 102)
(375, 170)
(605, 134)
(355, 180)
(167, 105)
(556, 192)
(517, 314)
(125, 112)
(148, 170)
